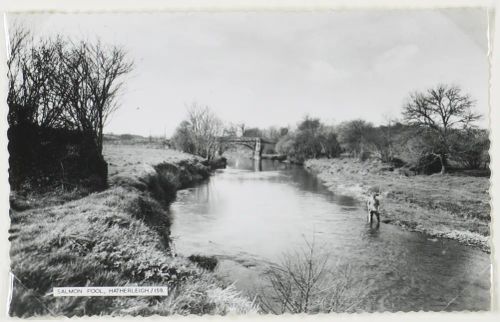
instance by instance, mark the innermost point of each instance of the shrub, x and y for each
(354, 136)
(470, 148)
(205, 262)
(302, 283)
(42, 158)
(311, 140)
(428, 164)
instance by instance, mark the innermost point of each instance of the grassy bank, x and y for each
(449, 206)
(116, 237)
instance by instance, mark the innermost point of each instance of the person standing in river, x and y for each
(373, 205)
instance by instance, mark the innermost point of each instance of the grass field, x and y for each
(116, 237)
(448, 206)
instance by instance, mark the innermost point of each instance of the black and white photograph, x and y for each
(248, 162)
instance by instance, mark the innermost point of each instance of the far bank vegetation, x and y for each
(437, 133)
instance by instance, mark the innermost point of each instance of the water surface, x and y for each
(251, 213)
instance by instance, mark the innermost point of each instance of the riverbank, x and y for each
(117, 237)
(445, 206)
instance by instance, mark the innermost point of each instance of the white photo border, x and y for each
(112, 6)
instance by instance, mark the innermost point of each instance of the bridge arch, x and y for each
(254, 143)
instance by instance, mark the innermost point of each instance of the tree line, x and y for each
(59, 88)
(437, 129)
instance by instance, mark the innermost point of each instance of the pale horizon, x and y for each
(272, 69)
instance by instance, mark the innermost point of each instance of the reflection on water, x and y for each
(252, 212)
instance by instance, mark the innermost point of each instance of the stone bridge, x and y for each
(254, 143)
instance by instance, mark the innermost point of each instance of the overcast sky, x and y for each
(272, 68)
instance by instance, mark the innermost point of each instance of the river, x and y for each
(253, 213)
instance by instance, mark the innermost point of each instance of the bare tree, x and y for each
(200, 132)
(17, 48)
(55, 83)
(382, 141)
(438, 111)
(354, 136)
(60, 92)
(91, 83)
(33, 68)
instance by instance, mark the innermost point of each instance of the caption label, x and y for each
(111, 291)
